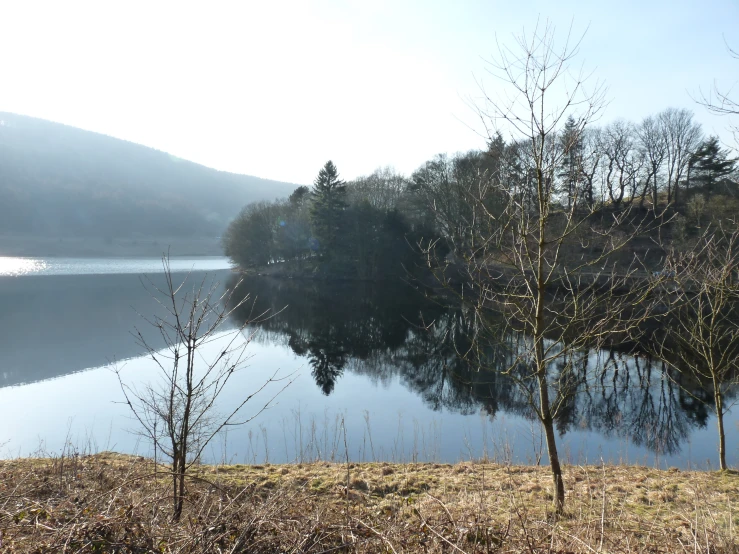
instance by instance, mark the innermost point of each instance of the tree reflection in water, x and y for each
(387, 332)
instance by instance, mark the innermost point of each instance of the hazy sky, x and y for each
(275, 88)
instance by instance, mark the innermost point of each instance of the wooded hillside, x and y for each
(57, 181)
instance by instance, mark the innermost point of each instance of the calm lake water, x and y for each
(376, 364)
(15, 267)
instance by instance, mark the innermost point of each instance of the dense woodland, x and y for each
(376, 226)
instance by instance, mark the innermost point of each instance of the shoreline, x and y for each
(132, 247)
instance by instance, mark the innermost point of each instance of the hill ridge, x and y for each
(60, 181)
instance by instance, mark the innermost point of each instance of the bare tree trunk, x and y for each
(176, 502)
(180, 495)
(655, 198)
(545, 411)
(547, 421)
(644, 192)
(718, 397)
(687, 178)
(675, 198)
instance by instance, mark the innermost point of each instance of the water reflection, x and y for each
(56, 325)
(14, 267)
(385, 332)
(359, 349)
(636, 398)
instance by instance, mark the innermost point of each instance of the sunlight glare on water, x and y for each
(20, 266)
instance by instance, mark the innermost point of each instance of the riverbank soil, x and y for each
(114, 503)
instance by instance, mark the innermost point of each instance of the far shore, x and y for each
(133, 247)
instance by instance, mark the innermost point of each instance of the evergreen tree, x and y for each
(299, 196)
(328, 202)
(570, 170)
(710, 164)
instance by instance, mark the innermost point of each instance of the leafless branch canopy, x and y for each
(722, 101)
(544, 261)
(701, 338)
(178, 409)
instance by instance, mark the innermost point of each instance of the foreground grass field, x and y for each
(114, 503)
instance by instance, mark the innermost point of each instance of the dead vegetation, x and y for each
(115, 503)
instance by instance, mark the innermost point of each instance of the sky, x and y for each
(276, 88)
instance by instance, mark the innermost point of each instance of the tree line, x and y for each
(371, 227)
(365, 229)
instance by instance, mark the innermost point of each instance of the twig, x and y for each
(383, 537)
(435, 532)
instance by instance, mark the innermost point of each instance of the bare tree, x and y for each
(178, 411)
(721, 101)
(654, 148)
(590, 163)
(442, 186)
(582, 153)
(383, 189)
(702, 336)
(682, 138)
(538, 270)
(697, 207)
(622, 162)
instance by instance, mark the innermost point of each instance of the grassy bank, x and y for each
(114, 503)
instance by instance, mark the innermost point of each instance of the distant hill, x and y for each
(58, 182)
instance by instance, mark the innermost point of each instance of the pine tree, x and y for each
(710, 164)
(328, 202)
(299, 196)
(571, 167)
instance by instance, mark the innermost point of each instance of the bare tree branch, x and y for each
(177, 411)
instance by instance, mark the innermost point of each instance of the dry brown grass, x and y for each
(114, 503)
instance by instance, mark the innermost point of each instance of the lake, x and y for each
(15, 267)
(375, 372)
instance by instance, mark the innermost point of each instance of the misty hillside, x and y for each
(59, 182)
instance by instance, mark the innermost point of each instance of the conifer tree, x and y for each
(710, 164)
(570, 170)
(328, 202)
